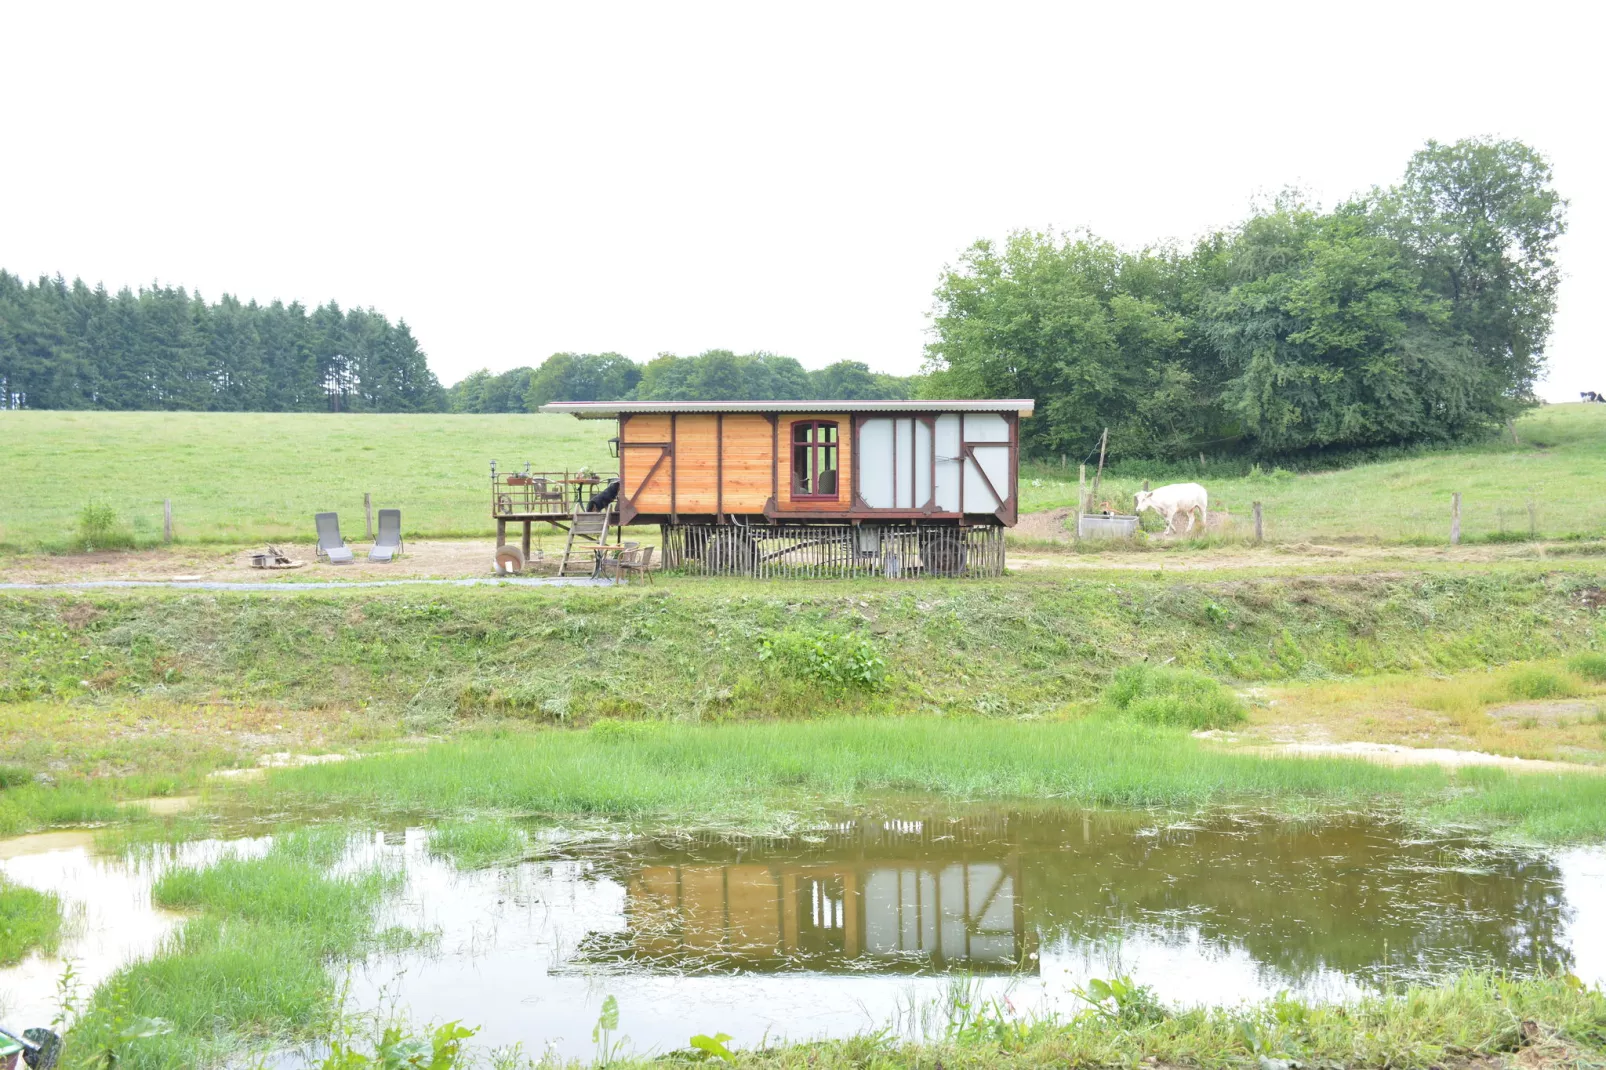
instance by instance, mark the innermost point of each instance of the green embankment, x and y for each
(997, 686)
(727, 649)
(248, 477)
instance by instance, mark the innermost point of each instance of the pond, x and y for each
(882, 919)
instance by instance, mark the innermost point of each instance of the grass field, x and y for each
(247, 477)
(1560, 466)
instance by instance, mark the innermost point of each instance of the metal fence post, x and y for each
(167, 519)
(368, 513)
(1455, 519)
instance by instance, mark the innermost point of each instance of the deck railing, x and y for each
(527, 494)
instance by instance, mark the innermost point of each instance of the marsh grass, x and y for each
(30, 920)
(251, 965)
(759, 775)
(1171, 697)
(479, 842)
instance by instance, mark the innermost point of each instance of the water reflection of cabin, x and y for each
(824, 911)
(760, 486)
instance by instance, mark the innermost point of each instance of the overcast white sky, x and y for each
(519, 180)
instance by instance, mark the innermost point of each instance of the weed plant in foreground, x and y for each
(1476, 1020)
(763, 775)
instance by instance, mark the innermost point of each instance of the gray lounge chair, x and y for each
(331, 547)
(389, 542)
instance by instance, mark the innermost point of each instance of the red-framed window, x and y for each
(816, 460)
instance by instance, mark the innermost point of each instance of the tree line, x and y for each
(1412, 314)
(714, 375)
(67, 346)
(1416, 313)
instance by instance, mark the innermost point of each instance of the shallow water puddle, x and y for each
(108, 917)
(868, 923)
(884, 921)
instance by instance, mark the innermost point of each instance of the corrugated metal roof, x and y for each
(607, 410)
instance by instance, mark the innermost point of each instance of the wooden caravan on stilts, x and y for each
(801, 488)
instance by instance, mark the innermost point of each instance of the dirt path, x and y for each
(471, 558)
(1162, 556)
(425, 559)
(1395, 754)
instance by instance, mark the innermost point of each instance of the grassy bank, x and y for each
(765, 775)
(710, 650)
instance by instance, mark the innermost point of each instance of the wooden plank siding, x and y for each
(696, 464)
(748, 462)
(648, 489)
(699, 468)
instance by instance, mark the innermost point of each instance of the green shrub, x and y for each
(100, 529)
(843, 660)
(1534, 683)
(1589, 666)
(1179, 698)
(14, 776)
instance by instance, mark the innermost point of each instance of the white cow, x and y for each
(1175, 501)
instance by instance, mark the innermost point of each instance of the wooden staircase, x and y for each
(592, 530)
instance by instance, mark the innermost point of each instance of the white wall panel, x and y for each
(948, 464)
(875, 463)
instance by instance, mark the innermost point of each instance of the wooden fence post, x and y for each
(1511, 425)
(1533, 519)
(1081, 492)
(167, 519)
(1455, 519)
(368, 513)
(1145, 486)
(1260, 531)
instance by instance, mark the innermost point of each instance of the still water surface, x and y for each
(866, 923)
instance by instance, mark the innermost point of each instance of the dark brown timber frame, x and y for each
(1006, 512)
(627, 502)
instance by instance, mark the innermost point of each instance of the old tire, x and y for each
(942, 553)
